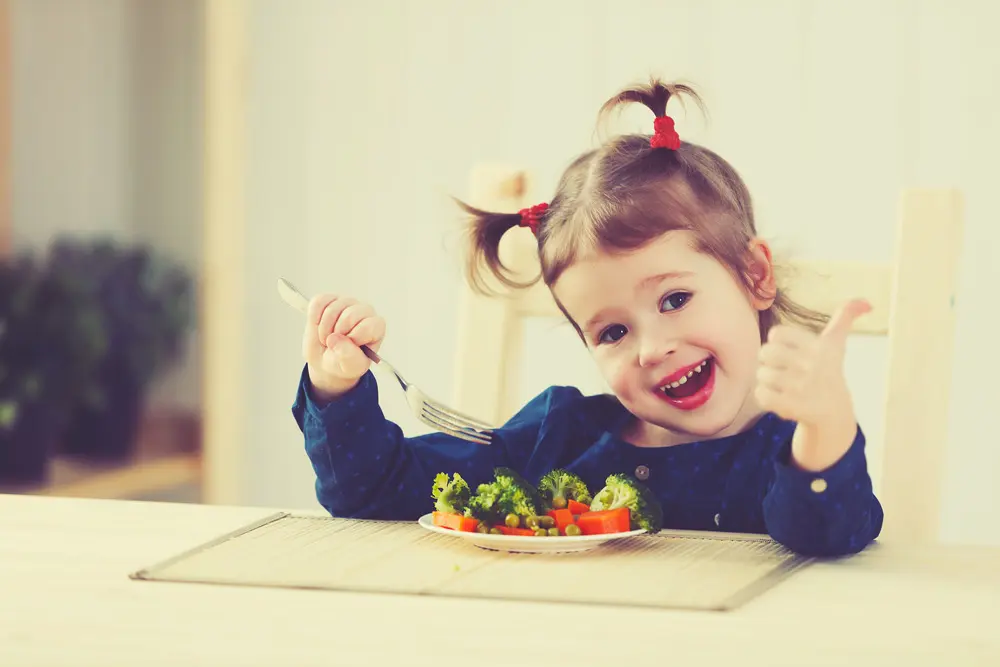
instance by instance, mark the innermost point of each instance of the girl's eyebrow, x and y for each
(646, 282)
(660, 277)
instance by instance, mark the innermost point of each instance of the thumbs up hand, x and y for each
(800, 378)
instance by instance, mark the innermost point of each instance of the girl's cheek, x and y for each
(616, 374)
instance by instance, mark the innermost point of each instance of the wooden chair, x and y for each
(912, 301)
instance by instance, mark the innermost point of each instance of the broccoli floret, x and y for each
(517, 495)
(483, 503)
(559, 486)
(508, 493)
(622, 490)
(450, 496)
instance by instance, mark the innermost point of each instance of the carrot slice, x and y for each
(563, 518)
(604, 521)
(454, 521)
(577, 507)
(468, 524)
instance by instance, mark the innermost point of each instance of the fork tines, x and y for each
(456, 425)
(450, 415)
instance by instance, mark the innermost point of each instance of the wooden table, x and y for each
(66, 599)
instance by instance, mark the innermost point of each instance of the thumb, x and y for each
(839, 326)
(347, 358)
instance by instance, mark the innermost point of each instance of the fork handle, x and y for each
(370, 354)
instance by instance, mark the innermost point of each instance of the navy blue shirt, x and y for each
(366, 468)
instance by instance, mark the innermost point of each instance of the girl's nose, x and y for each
(654, 350)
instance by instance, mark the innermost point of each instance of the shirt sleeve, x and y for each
(829, 513)
(366, 468)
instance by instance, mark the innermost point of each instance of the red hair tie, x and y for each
(664, 135)
(529, 216)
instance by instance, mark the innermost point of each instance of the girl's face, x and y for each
(674, 334)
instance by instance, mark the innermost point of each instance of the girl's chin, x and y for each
(713, 420)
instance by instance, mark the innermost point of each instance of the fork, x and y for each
(433, 413)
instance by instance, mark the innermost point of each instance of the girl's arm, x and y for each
(821, 502)
(833, 512)
(366, 468)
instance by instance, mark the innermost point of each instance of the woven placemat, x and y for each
(705, 571)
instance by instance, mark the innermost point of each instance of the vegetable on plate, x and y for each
(561, 505)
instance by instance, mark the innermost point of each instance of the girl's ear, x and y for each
(760, 275)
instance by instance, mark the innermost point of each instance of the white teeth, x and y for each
(683, 380)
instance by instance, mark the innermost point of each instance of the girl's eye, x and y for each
(612, 334)
(674, 301)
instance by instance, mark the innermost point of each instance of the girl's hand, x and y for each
(335, 329)
(801, 378)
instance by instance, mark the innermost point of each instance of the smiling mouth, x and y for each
(692, 389)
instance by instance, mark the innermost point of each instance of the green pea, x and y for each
(541, 532)
(531, 522)
(573, 529)
(482, 528)
(512, 521)
(558, 502)
(546, 521)
(495, 531)
(554, 532)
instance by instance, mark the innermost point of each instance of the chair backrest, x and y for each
(912, 298)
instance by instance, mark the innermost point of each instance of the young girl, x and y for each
(649, 247)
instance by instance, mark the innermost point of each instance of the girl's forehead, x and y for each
(671, 252)
(608, 275)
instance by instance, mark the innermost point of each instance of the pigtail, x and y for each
(485, 230)
(785, 309)
(654, 96)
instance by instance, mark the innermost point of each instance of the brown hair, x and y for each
(625, 194)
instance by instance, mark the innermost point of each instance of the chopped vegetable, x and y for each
(450, 495)
(578, 507)
(602, 522)
(562, 519)
(508, 497)
(517, 496)
(558, 487)
(483, 503)
(624, 491)
(466, 524)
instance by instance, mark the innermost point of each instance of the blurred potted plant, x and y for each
(146, 303)
(51, 342)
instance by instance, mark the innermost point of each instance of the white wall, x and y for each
(107, 133)
(166, 140)
(364, 117)
(72, 117)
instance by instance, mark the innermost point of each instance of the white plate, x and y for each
(524, 544)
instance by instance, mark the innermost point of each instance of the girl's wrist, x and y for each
(816, 447)
(326, 392)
